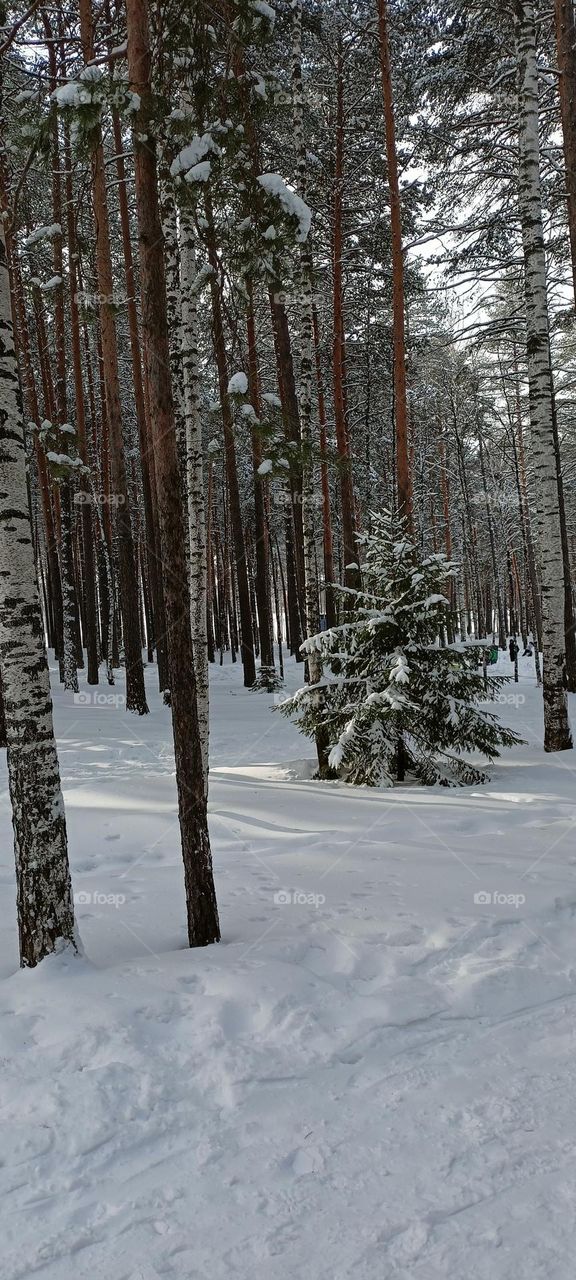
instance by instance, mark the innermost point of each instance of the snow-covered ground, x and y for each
(373, 1076)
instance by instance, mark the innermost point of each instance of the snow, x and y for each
(199, 172)
(134, 102)
(193, 154)
(265, 467)
(238, 384)
(291, 203)
(91, 72)
(43, 233)
(62, 459)
(263, 10)
(371, 1078)
(259, 86)
(71, 95)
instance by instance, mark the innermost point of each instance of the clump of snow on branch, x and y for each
(238, 384)
(292, 204)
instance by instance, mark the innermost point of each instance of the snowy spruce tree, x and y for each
(394, 702)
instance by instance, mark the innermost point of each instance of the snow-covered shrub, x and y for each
(394, 702)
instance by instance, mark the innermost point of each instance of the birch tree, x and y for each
(557, 736)
(44, 893)
(190, 281)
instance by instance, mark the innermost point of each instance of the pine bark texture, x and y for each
(128, 581)
(203, 925)
(403, 469)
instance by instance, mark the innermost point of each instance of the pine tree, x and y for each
(395, 703)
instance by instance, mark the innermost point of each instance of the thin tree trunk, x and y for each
(195, 496)
(352, 575)
(128, 579)
(403, 469)
(566, 53)
(246, 638)
(327, 537)
(261, 540)
(83, 494)
(146, 454)
(311, 594)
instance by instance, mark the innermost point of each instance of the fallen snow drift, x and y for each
(372, 1077)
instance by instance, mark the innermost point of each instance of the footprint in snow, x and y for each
(305, 1160)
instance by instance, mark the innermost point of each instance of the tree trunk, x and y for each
(557, 736)
(195, 496)
(566, 52)
(403, 469)
(159, 638)
(128, 578)
(44, 892)
(262, 545)
(311, 594)
(203, 926)
(83, 493)
(352, 575)
(246, 637)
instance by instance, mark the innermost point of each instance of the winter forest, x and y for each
(287, 639)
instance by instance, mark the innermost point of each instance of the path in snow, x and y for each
(372, 1077)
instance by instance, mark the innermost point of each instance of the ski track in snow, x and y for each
(375, 1079)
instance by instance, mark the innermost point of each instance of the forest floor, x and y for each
(373, 1076)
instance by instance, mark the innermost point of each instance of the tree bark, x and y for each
(557, 736)
(246, 636)
(195, 495)
(352, 575)
(203, 925)
(128, 579)
(44, 892)
(403, 468)
(566, 53)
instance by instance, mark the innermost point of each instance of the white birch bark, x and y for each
(44, 894)
(557, 736)
(172, 267)
(196, 500)
(69, 669)
(306, 356)
(311, 587)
